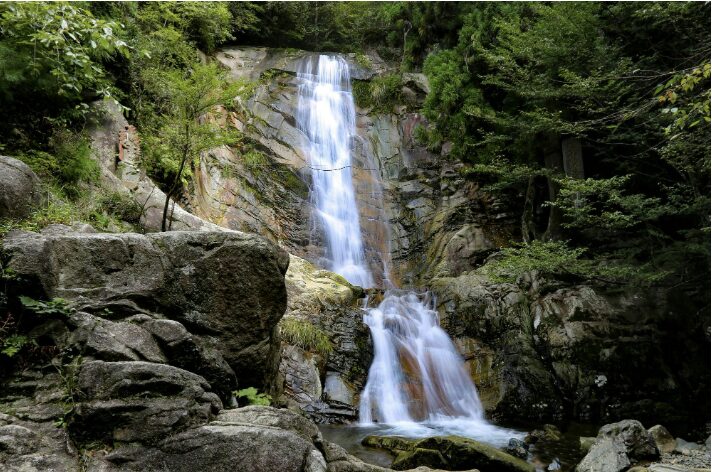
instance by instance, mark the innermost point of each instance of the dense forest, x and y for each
(630, 81)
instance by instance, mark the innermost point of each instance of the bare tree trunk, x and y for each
(528, 228)
(172, 190)
(554, 164)
(406, 30)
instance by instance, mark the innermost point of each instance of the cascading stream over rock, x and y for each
(417, 381)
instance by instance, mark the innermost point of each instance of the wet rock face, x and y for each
(419, 216)
(20, 190)
(214, 284)
(574, 352)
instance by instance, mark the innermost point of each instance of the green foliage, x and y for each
(55, 48)
(56, 306)
(177, 140)
(381, 93)
(13, 344)
(106, 212)
(604, 204)
(305, 335)
(12, 340)
(69, 163)
(252, 397)
(629, 81)
(121, 206)
(558, 259)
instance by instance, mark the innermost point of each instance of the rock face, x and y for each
(618, 446)
(326, 387)
(20, 191)
(129, 376)
(214, 284)
(116, 147)
(554, 352)
(448, 453)
(418, 215)
(139, 401)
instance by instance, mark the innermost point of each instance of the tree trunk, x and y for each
(528, 227)
(554, 164)
(172, 190)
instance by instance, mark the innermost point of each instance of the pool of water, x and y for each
(545, 455)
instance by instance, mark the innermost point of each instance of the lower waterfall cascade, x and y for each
(417, 383)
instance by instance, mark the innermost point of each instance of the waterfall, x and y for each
(417, 380)
(417, 375)
(327, 117)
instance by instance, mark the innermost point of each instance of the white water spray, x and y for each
(417, 382)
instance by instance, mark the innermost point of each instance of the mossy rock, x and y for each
(419, 457)
(448, 453)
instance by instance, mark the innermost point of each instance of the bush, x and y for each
(305, 335)
(121, 206)
(73, 154)
(252, 397)
(381, 93)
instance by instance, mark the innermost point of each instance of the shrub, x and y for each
(121, 206)
(251, 396)
(380, 93)
(305, 335)
(72, 152)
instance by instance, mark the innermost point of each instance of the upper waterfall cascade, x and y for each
(327, 116)
(417, 381)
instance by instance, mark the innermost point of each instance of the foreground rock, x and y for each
(618, 446)
(324, 385)
(250, 439)
(20, 190)
(448, 453)
(138, 402)
(223, 286)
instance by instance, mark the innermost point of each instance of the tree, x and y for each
(184, 131)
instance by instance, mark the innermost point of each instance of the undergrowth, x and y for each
(305, 335)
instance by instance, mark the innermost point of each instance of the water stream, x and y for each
(417, 384)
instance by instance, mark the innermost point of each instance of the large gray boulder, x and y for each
(227, 287)
(259, 439)
(20, 190)
(138, 402)
(618, 446)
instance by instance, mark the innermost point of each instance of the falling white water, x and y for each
(327, 116)
(417, 383)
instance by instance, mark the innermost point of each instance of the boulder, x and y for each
(517, 448)
(618, 446)
(259, 439)
(194, 354)
(214, 284)
(448, 453)
(585, 443)
(138, 401)
(113, 341)
(664, 441)
(20, 189)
